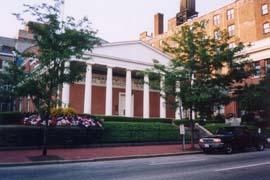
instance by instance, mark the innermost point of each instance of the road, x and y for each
(240, 166)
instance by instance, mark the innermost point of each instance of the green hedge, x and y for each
(214, 126)
(11, 118)
(20, 135)
(186, 122)
(130, 119)
(139, 132)
(112, 132)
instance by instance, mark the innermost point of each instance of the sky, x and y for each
(115, 20)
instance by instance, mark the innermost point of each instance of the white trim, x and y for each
(135, 42)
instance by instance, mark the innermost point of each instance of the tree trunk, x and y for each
(45, 138)
(192, 128)
(45, 132)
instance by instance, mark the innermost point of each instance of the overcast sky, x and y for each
(115, 20)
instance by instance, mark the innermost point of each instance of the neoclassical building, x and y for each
(112, 84)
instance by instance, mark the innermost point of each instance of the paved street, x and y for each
(247, 166)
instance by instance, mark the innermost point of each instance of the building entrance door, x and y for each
(122, 104)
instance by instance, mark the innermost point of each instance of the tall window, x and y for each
(266, 28)
(257, 68)
(216, 19)
(231, 30)
(264, 9)
(230, 14)
(217, 35)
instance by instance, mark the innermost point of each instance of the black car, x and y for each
(230, 138)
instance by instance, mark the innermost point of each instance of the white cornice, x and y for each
(135, 42)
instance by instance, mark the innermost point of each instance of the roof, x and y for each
(10, 42)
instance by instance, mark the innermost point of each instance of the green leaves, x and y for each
(58, 40)
(206, 68)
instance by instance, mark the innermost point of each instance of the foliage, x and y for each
(11, 118)
(205, 69)
(9, 80)
(113, 132)
(16, 136)
(57, 41)
(63, 112)
(185, 122)
(139, 132)
(130, 119)
(253, 98)
(213, 127)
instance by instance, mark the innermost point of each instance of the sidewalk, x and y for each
(30, 157)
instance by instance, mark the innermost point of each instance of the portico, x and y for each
(112, 85)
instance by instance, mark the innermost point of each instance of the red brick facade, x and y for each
(99, 101)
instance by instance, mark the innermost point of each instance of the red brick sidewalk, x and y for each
(20, 156)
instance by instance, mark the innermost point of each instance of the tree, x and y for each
(253, 98)
(206, 68)
(57, 41)
(9, 80)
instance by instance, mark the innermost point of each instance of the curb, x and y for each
(2, 165)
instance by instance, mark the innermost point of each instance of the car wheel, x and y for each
(260, 146)
(228, 149)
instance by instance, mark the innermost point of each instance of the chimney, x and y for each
(187, 5)
(159, 24)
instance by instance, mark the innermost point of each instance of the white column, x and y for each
(109, 91)
(179, 108)
(88, 90)
(28, 103)
(146, 104)
(21, 104)
(65, 95)
(66, 88)
(128, 92)
(162, 102)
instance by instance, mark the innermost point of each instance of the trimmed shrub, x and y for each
(186, 122)
(113, 132)
(214, 126)
(130, 119)
(11, 118)
(19, 135)
(116, 132)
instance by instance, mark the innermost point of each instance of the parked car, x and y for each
(227, 139)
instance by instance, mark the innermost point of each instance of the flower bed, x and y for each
(76, 121)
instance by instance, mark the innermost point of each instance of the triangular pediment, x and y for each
(133, 51)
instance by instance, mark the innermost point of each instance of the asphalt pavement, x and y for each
(249, 165)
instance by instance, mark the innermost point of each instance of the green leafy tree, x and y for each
(9, 80)
(253, 98)
(205, 67)
(57, 41)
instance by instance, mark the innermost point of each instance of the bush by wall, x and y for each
(139, 132)
(11, 118)
(214, 126)
(113, 132)
(130, 119)
(19, 135)
(185, 121)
